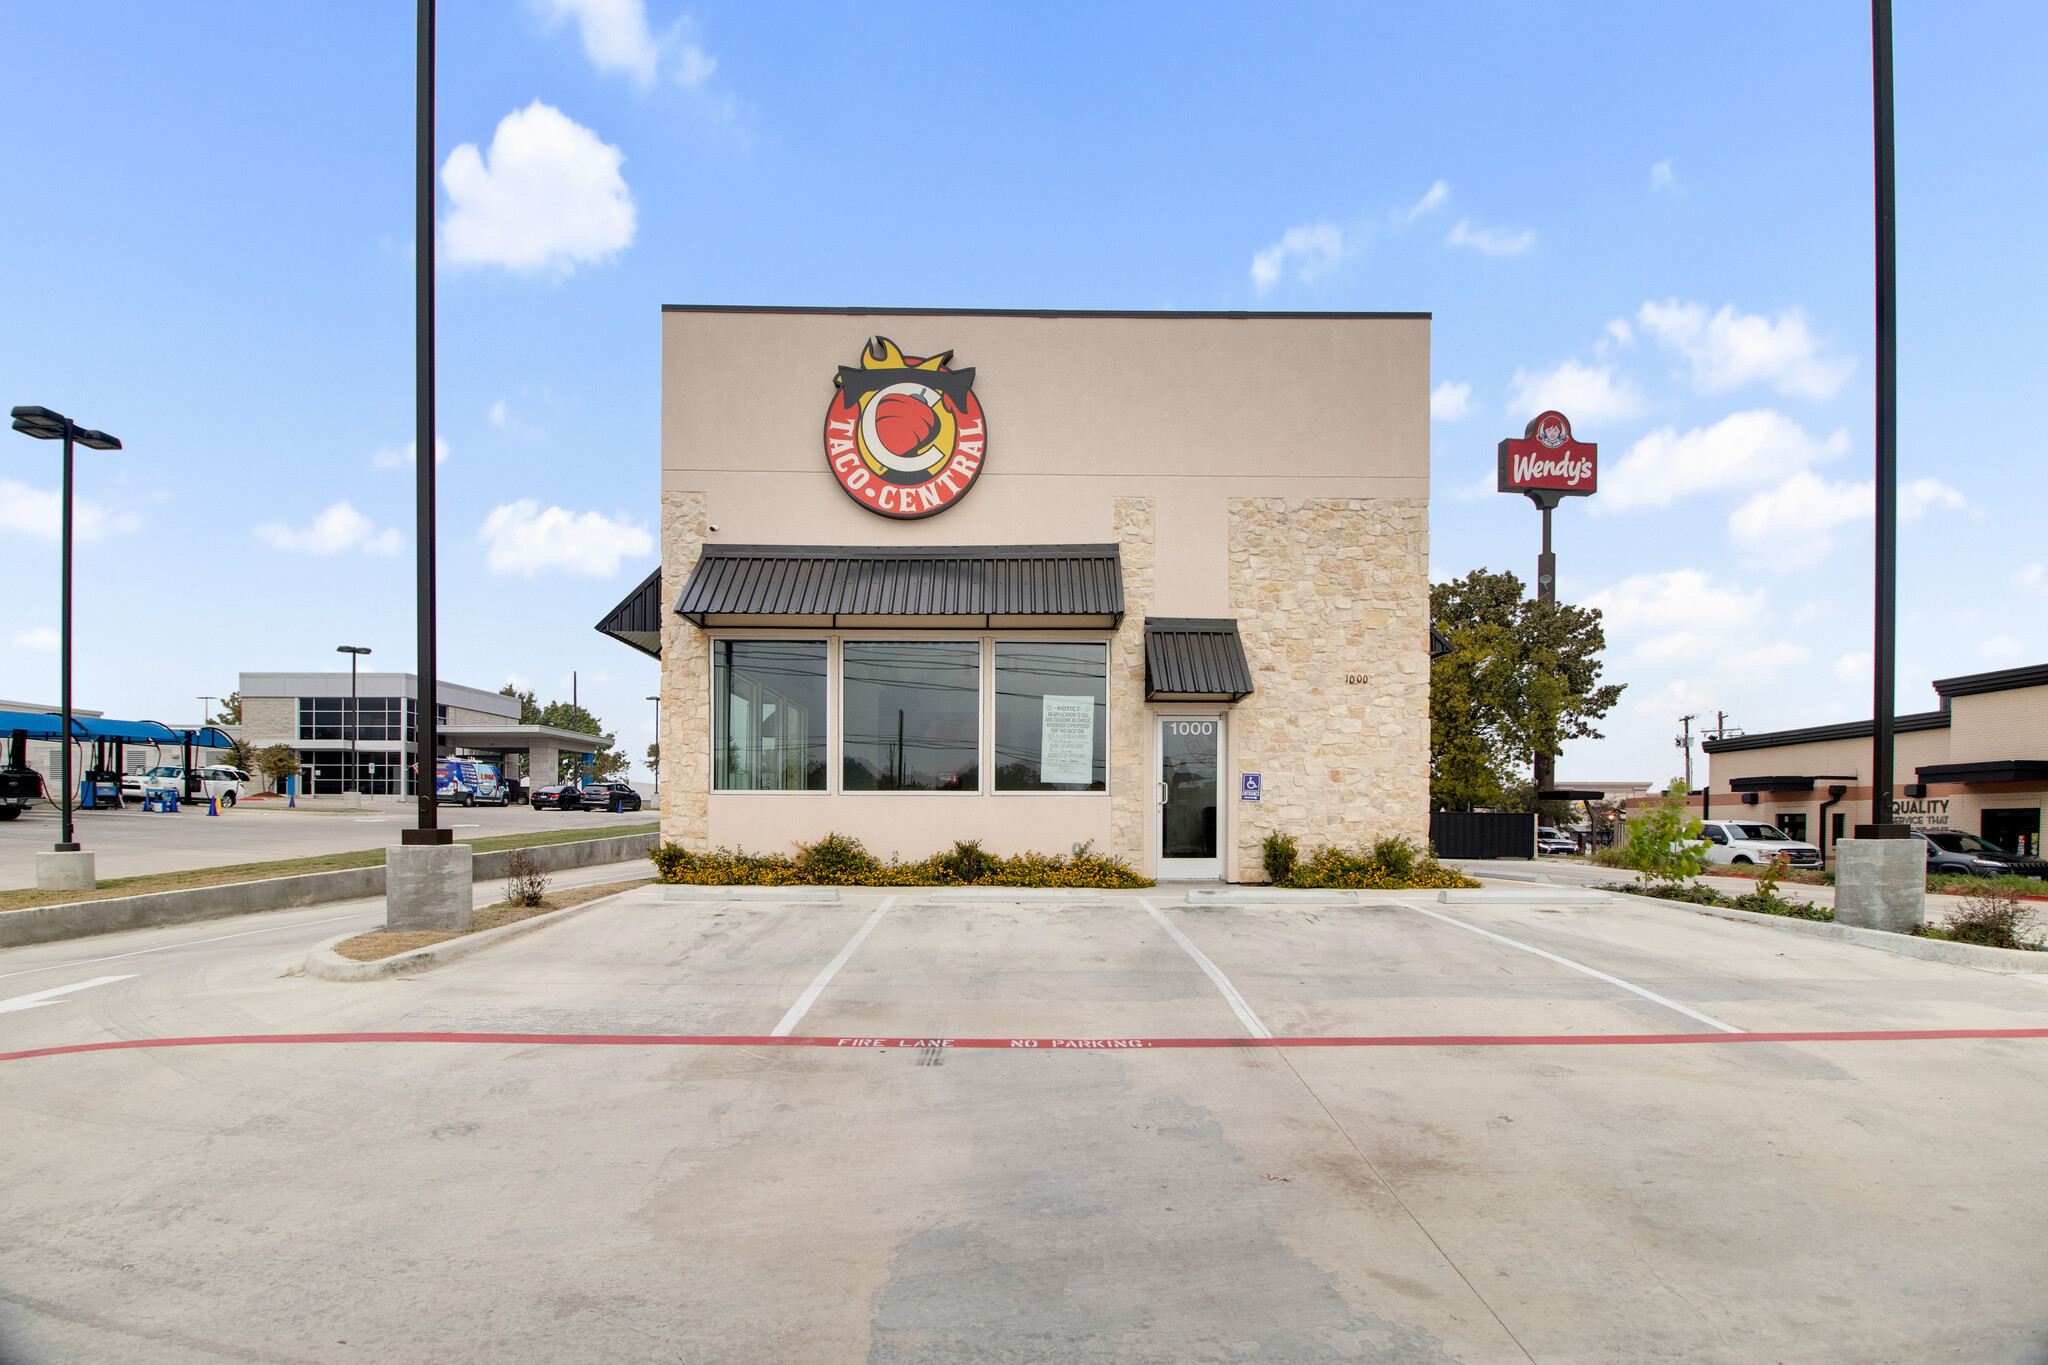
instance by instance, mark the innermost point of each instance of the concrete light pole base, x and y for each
(1881, 883)
(427, 886)
(65, 872)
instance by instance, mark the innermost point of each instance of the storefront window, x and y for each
(1052, 716)
(768, 712)
(913, 715)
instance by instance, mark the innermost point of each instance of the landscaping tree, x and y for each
(277, 762)
(230, 712)
(1522, 676)
(241, 754)
(1664, 840)
(654, 757)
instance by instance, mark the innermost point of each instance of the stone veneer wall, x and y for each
(270, 720)
(1129, 789)
(685, 681)
(1322, 589)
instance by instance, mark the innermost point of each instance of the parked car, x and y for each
(1550, 840)
(561, 796)
(1744, 841)
(224, 784)
(1952, 851)
(616, 797)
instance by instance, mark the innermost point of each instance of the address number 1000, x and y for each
(1204, 728)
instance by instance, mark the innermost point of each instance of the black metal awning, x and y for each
(1195, 659)
(1075, 587)
(1986, 770)
(637, 620)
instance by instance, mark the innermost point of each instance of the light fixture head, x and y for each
(40, 423)
(351, 649)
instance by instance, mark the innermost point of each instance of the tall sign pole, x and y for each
(1884, 642)
(1548, 465)
(426, 734)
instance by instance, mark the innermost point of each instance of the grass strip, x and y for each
(115, 887)
(377, 945)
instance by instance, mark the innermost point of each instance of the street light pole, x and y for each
(45, 425)
(1884, 645)
(656, 699)
(354, 652)
(427, 734)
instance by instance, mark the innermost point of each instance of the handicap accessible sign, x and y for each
(1247, 786)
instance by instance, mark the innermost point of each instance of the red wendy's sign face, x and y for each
(904, 436)
(1547, 464)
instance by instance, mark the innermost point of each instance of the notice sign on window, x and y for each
(1066, 742)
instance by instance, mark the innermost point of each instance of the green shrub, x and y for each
(840, 860)
(1396, 855)
(1664, 840)
(1392, 865)
(1699, 893)
(1282, 853)
(1610, 857)
(969, 863)
(1994, 918)
(836, 860)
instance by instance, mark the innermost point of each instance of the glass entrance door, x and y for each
(1190, 752)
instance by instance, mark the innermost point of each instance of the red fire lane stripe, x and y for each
(1043, 1044)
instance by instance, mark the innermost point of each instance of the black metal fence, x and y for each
(1482, 834)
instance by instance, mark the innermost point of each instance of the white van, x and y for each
(1746, 841)
(225, 785)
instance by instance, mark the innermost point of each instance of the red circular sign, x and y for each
(904, 436)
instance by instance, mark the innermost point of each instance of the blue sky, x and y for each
(1657, 218)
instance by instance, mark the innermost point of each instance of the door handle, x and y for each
(1162, 792)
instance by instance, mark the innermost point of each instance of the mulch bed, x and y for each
(378, 945)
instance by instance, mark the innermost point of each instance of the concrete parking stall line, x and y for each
(831, 969)
(1236, 1002)
(1631, 987)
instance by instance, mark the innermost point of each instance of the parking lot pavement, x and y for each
(1009, 1197)
(130, 843)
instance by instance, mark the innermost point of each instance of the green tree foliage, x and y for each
(654, 757)
(277, 762)
(529, 707)
(230, 710)
(1664, 840)
(1522, 677)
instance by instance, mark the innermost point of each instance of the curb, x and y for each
(1252, 895)
(2006, 961)
(1014, 895)
(329, 965)
(783, 895)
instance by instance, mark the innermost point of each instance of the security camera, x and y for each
(708, 526)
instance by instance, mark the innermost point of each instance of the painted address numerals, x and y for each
(1355, 680)
(1203, 728)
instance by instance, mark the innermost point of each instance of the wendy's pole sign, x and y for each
(1548, 466)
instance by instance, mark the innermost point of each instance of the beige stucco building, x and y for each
(1977, 764)
(1041, 579)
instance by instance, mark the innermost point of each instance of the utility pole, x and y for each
(1884, 644)
(1684, 741)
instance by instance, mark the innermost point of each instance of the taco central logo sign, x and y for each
(904, 436)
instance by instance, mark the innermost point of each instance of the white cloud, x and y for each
(1793, 521)
(1431, 200)
(39, 637)
(2035, 576)
(547, 196)
(1491, 241)
(1744, 449)
(1729, 349)
(1620, 333)
(615, 34)
(1853, 667)
(1448, 402)
(523, 539)
(1918, 496)
(1685, 618)
(391, 457)
(1580, 392)
(1318, 246)
(1662, 177)
(694, 66)
(338, 528)
(498, 414)
(41, 514)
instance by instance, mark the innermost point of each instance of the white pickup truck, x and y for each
(1746, 841)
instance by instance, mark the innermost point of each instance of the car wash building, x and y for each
(1978, 764)
(1155, 581)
